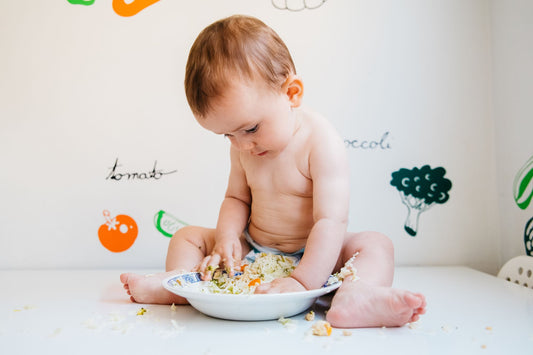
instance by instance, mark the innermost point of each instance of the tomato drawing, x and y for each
(119, 233)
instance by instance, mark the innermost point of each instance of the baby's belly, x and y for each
(284, 225)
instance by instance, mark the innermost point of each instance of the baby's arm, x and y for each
(331, 196)
(329, 172)
(232, 220)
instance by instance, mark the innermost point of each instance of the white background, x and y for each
(449, 80)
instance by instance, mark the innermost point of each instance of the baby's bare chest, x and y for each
(285, 176)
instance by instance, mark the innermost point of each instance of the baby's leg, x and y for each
(370, 301)
(186, 249)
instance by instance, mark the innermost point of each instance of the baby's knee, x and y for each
(372, 240)
(382, 241)
(199, 236)
(186, 233)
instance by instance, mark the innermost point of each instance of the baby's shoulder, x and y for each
(319, 129)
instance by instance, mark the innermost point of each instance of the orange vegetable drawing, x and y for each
(127, 10)
(119, 233)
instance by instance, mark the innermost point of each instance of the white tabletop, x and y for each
(88, 312)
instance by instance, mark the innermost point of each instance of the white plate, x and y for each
(243, 307)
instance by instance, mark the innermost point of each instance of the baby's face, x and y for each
(255, 118)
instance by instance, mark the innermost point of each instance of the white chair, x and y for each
(518, 270)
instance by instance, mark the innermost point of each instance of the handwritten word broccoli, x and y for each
(420, 189)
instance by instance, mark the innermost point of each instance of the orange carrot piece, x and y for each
(254, 282)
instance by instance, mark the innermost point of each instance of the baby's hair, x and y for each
(234, 48)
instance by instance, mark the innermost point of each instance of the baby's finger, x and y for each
(227, 258)
(203, 264)
(237, 256)
(209, 265)
(229, 264)
(264, 288)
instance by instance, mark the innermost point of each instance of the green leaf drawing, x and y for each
(523, 185)
(81, 2)
(167, 224)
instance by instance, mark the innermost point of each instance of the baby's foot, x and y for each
(358, 305)
(148, 289)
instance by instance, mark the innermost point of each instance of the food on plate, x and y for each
(265, 268)
(348, 272)
(310, 316)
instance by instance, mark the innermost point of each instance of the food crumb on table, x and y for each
(310, 316)
(413, 325)
(287, 322)
(321, 328)
(55, 333)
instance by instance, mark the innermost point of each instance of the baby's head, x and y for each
(232, 49)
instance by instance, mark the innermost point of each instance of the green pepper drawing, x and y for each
(81, 2)
(167, 224)
(523, 185)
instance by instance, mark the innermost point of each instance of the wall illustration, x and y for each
(167, 224)
(133, 8)
(130, 8)
(118, 234)
(297, 5)
(420, 189)
(523, 194)
(528, 237)
(523, 185)
(81, 2)
(121, 7)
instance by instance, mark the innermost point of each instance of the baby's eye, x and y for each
(253, 129)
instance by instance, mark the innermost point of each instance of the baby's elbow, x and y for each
(333, 222)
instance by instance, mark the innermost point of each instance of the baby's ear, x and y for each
(294, 89)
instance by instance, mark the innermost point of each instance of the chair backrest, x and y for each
(518, 270)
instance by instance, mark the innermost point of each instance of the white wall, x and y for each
(82, 86)
(512, 30)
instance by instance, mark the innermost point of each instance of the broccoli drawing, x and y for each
(528, 237)
(420, 189)
(297, 5)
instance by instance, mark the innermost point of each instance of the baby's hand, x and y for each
(225, 253)
(281, 285)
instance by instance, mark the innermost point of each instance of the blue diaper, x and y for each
(258, 248)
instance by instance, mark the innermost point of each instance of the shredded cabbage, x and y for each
(265, 268)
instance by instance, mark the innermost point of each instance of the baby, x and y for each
(288, 187)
